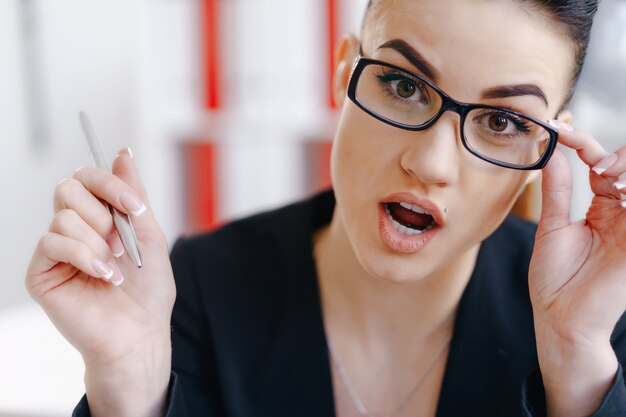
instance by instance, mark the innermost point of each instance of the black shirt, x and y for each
(248, 336)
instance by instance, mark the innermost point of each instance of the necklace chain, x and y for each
(355, 398)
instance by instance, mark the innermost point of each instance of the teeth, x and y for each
(414, 208)
(403, 229)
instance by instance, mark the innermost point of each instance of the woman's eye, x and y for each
(498, 123)
(405, 88)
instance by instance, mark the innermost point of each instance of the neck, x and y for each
(381, 316)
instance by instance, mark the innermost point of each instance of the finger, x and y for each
(593, 154)
(585, 145)
(116, 245)
(69, 223)
(614, 165)
(604, 177)
(125, 169)
(556, 189)
(119, 194)
(615, 172)
(72, 194)
(54, 248)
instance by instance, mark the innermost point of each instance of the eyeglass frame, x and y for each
(449, 104)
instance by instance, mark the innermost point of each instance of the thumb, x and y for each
(124, 167)
(556, 191)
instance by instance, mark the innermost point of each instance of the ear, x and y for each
(345, 53)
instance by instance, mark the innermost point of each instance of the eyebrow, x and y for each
(429, 71)
(412, 56)
(515, 91)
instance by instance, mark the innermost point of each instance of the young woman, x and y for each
(407, 289)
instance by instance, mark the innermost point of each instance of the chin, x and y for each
(396, 269)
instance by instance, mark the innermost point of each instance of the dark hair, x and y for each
(575, 16)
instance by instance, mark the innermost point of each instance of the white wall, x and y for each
(122, 61)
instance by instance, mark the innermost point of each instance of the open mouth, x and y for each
(409, 219)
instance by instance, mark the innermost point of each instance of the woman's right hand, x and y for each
(118, 327)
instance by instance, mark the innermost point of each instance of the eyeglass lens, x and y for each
(497, 134)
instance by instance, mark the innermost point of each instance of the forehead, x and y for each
(477, 44)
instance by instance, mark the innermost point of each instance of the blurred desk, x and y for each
(41, 374)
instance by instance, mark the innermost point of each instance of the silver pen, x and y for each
(121, 220)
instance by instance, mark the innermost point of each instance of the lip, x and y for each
(427, 205)
(399, 242)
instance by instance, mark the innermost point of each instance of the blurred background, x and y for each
(226, 106)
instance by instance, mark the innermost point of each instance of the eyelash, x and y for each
(386, 78)
(520, 124)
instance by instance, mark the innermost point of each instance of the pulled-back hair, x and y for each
(574, 16)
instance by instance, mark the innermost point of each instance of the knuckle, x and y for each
(62, 221)
(65, 216)
(47, 242)
(66, 187)
(80, 172)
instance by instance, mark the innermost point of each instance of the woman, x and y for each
(406, 290)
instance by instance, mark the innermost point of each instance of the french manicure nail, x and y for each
(605, 164)
(116, 246)
(561, 125)
(128, 152)
(133, 203)
(103, 269)
(118, 282)
(624, 204)
(619, 185)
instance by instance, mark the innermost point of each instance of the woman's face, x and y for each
(472, 46)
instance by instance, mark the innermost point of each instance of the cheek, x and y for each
(490, 194)
(364, 150)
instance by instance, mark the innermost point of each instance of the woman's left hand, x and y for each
(577, 278)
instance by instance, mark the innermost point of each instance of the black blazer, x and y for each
(248, 337)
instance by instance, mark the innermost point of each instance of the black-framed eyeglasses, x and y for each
(403, 99)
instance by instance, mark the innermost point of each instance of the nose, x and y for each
(433, 155)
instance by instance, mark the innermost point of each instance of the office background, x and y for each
(225, 104)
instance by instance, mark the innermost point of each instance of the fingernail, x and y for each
(118, 282)
(624, 204)
(117, 247)
(103, 269)
(561, 125)
(619, 185)
(133, 203)
(127, 151)
(605, 164)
